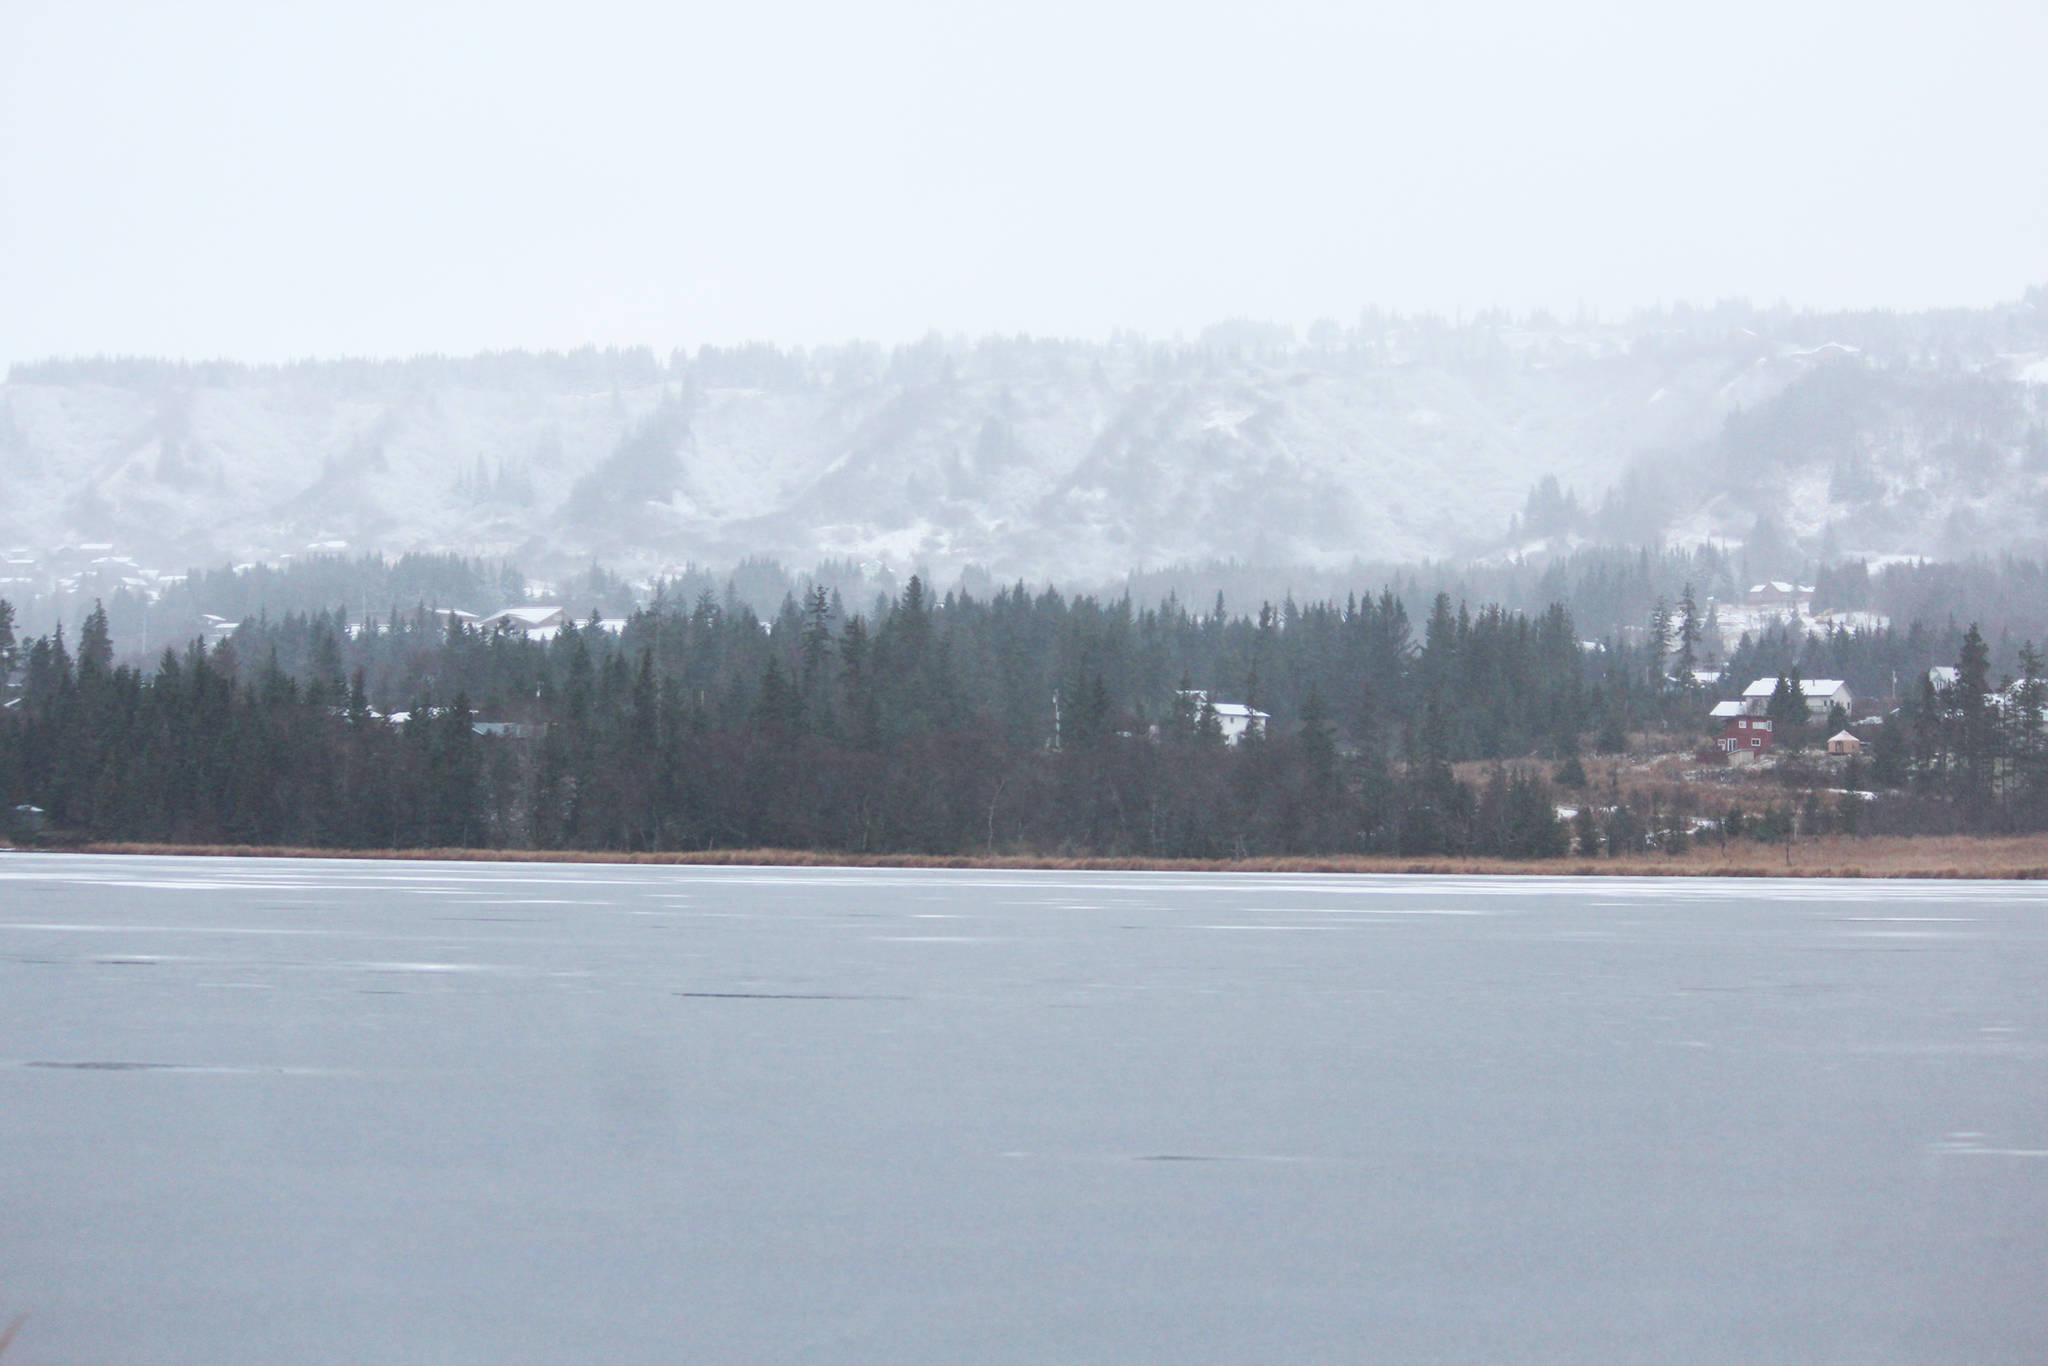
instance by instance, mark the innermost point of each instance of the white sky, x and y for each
(268, 180)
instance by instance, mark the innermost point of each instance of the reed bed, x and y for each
(2017, 856)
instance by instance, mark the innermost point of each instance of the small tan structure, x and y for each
(1843, 743)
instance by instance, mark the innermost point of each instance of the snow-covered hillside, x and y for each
(1392, 440)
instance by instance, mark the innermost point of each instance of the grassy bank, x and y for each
(2020, 856)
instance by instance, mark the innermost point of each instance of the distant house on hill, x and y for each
(1236, 719)
(1793, 597)
(1744, 735)
(1239, 721)
(535, 623)
(1821, 695)
(444, 617)
(1745, 721)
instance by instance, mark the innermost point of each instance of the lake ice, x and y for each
(267, 1111)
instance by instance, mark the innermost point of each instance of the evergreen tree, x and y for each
(95, 645)
(1586, 831)
(814, 681)
(1659, 642)
(1890, 759)
(1976, 748)
(1786, 709)
(1688, 636)
(778, 708)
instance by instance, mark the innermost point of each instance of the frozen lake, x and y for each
(257, 1111)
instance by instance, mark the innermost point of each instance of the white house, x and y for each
(1236, 719)
(447, 616)
(1820, 693)
(535, 623)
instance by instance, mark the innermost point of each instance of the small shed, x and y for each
(1844, 744)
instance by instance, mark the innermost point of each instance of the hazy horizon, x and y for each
(268, 186)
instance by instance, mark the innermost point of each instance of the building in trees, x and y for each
(1822, 695)
(1743, 734)
(1792, 597)
(534, 623)
(1234, 720)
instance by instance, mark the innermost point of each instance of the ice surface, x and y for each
(310, 1112)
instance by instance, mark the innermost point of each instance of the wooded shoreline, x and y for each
(2021, 857)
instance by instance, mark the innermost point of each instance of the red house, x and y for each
(1746, 735)
(1743, 729)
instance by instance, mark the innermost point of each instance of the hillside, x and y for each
(1394, 439)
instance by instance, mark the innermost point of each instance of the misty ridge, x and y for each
(1796, 435)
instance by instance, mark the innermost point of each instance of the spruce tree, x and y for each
(1787, 711)
(1688, 636)
(95, 645)
(1659, 642)
(1976, 725)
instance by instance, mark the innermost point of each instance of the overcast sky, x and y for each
(268, 180)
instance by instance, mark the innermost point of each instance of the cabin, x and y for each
(1844, 745)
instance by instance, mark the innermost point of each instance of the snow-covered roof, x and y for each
(1237, 710)
(1723, 710)
(1809, 687)
(528, 616)
(1844, 735)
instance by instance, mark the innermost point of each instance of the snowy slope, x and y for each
(1040, 458)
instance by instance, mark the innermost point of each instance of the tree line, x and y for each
(1016, 722)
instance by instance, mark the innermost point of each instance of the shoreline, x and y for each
(2014, 857)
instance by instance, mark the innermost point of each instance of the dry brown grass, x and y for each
(1895, 856)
